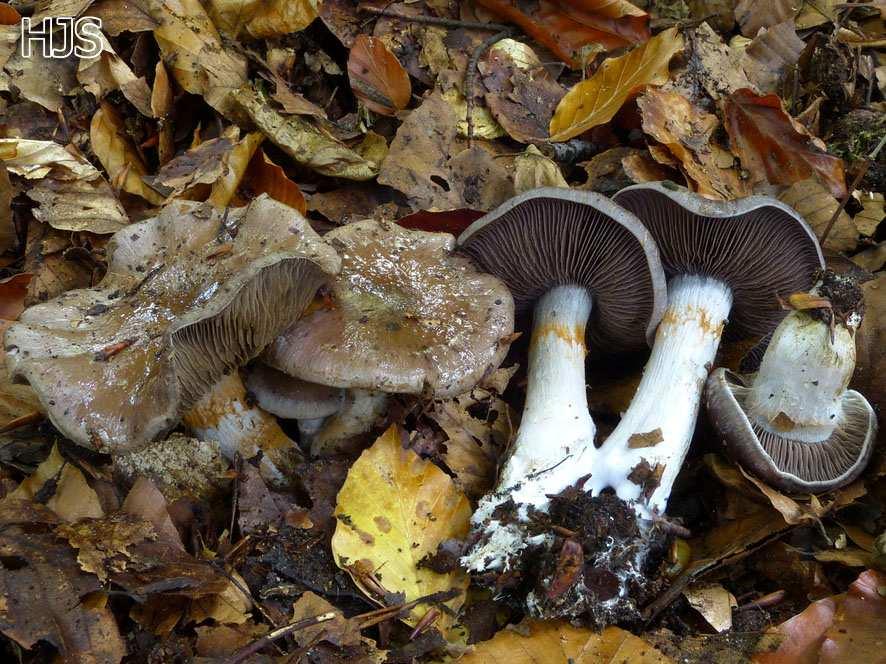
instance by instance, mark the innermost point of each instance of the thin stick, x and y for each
(247, 651)
(861, 173)
(436, 20)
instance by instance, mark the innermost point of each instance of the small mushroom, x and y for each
(406, 316)
(586, 268)
(724, 261)
(189, 296)
(293, 399)
(794, 423)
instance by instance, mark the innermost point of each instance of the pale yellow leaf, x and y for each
(238, 159)
(393, 510)
(36, 159)
(118, 155)
(713, 602)
(534, 642)
(262, 18)
(871, 214)
(532, 169)
(817, 206)
(595, 101)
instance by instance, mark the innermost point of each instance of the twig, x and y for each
(24, 420)
(861, 173)
(471, 75)
(247, 651)
(436, 20)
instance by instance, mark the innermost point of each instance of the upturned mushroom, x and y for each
(794, 423)
(189, 296)
(586, 269)
(726, 262)
(406, 316)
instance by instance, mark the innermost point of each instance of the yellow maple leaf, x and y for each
(595, 101)
(394, 509)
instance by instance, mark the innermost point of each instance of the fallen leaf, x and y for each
(775, 148)
(99, 541)
(304, 142)
(263, 176)
(238, 161)
(12, 295)
(161, 108)
(817, 206)
(532, 641)
(850, 556)
(714, 603)
(262, 18)
(532, 170)
(78, 205)
(43, 80)
(752, 15)
(231, 606)
(872, 213)
(339, 631)
(377, 77)
(595, 101)
(771, 55)
(8, 235)
(107, 72)
(393, 510)
(37, 159)
(566, 27)
(842, 628)
(687, 132)
(713, 69)
(115, 151)
(207, 163)
(45, 597)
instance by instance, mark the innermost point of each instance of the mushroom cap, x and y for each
(189, 296)
(408, 316)
(551, 237)
(292, 398)
(782, 462)
(758, 246)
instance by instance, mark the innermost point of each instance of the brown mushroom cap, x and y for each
(291, 398)
(784, 463)
(188, 296)
(758, 246)
(408, 317)
(551, 237)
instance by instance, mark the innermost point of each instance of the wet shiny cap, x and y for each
(758, 246)
(551, 237)
(787, 464)
(189, 296)
(406, 316)
(292, 398)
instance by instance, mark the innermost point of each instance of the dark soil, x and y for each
(844, 293)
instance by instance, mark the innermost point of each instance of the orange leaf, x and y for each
(9, 15)
(565, 26)
(377, 77)
(265, 177)
(775, 148)
(12, 295)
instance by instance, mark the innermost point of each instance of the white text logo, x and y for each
(63, 36)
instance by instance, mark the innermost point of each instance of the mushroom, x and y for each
(587, 269)
(189, 296)
(794, 423)
(293, 399)
(407, 316)
(724, 260)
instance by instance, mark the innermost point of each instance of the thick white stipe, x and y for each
(658, 424)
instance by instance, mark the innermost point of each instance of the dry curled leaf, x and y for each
(532, 642)
(817, 206)
(565, 27)
(261, 18)
(776, 149)
(393, 510)
(377, 77)
(595, 101)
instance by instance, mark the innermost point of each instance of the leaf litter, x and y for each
(154, 509)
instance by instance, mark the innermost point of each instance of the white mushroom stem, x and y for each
(555, 443)
(802, 378)
(658, 425)
(341, 432)
(226, 416)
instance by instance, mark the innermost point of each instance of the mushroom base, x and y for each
(555, 444)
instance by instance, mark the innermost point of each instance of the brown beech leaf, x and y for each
(816, 205)
(771, 55)
(263, 176)
(755, 14)
(596, 100)
(565, 26)
(558, 641)
(687, 132)
(12, 295)
(842, 628)
(775, 148)
(377, 77)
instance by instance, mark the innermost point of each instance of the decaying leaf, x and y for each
(714, 603)
(393, 510)
(262, 18)
(107, 72)
(78, 205)
(206, 164)
(566, 27)
(713, 69)
(868, 219)
(817, 206)
(532, 642)
(771, 55)
(687, 132)
(377, 77)
(775, 148)
(339, 631)
(596, 100)
(752, 15)
(118, 155)
(532, 169)
(263, 176)
(37, 159)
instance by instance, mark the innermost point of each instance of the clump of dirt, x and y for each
(854, 136)
(603, 564)
(844, 294)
